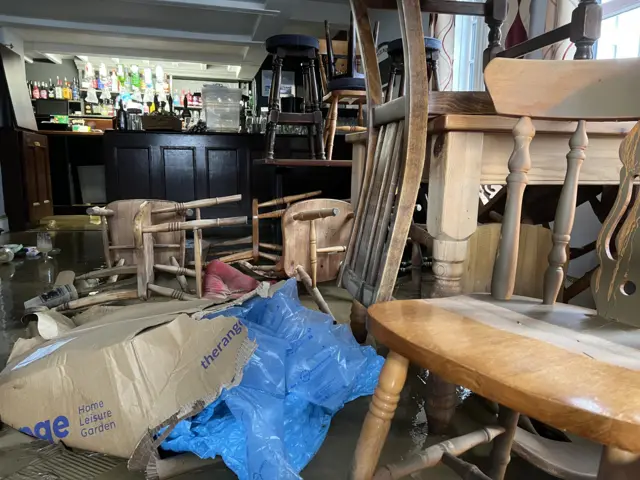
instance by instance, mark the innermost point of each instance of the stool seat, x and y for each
(295, 42)
(346, 83)
(430, 43)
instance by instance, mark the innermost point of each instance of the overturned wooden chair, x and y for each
(144, 229)
(572, 368)
(258, 248)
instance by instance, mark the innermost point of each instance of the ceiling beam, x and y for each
(234, 6)
(311, 10)
(174, 56)
(126, 30)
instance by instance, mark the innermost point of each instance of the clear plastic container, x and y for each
(222, 107)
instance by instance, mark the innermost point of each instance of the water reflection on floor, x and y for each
(24, 278)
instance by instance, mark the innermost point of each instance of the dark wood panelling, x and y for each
(133, 172)
(223, 172)
(179, 173)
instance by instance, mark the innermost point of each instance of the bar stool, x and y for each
(306, 47)
(432, 47)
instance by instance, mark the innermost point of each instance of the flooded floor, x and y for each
(24, 278)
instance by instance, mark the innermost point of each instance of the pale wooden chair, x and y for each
(570, 367)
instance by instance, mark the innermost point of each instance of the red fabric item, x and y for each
(222, 281)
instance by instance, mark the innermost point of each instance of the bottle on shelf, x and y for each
(51, 93)
(35, 91)
(66, 91)
(58, 91)
(75, 91)
(44, 93)
(189, 98)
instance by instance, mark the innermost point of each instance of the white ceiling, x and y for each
(216, 33)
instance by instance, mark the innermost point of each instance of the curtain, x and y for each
(526, 18)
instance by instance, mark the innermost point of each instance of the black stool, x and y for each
(281, 46)
(432, 48)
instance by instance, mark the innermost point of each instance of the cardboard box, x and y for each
(109, 386)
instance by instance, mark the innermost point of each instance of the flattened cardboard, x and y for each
(103, 386)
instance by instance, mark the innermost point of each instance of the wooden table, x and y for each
(467, 151)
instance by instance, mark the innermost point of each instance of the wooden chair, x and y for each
(257, 250)
(143, 230)
(570, 367)
(397, 138)
(347, 87)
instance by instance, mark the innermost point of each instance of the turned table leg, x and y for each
(452, 216)
(378, 421)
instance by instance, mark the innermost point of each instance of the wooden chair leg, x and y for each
(325, 134)
(360, 114)
(618, 465)
(197, 257)
(378, 421)
(313, 253)
(501, 451)
(333, 123)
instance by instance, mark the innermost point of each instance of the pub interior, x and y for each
(373, 239)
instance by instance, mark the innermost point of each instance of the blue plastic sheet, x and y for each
(303, 371)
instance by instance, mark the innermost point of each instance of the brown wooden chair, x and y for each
(570, 367)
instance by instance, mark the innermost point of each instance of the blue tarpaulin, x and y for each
(303, 371)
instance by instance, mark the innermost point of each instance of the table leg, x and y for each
(452, 216)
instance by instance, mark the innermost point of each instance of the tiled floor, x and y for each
(82, 251)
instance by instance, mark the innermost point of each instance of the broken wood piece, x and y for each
(337, 249)
(267, 271)
(206, 202)
(182, 280)
(155, 245)
(114, 278)
(268, 256)
(315, 214)
(313, 291)
(228, 243)
(107, 272)
(100, 211)
(431, 456)
(235, 257)
(170, 292)
(274, 214)
(289, 199)
(271, 246)
(97, 299)
(65, 277)
(176, 270)
(194, 224)
(84, 289)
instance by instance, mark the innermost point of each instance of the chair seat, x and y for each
(346, 83)
(430, 43)
(560, 364)
(294, 42)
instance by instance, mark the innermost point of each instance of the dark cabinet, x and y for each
(26, 178)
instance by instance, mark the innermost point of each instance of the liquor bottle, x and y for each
(44, 94)
(58, 89)
(66, 91)
(51, 91)
(189, 98)
(75, 91)
(121, 120)
(114, 82)
(35, 93)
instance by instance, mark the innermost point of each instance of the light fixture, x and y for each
(233, 68)
(54, 58)
(28, 59)
(84, 58)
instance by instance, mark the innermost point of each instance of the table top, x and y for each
(66, 132)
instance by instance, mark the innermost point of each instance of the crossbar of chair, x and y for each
(194, 224)
(205, 202)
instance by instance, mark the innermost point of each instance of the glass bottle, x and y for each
(51, 91)
(44, 94)
(75, 91)
(36, 90)
(58, 88)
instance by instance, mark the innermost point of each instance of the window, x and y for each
(620, 37)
